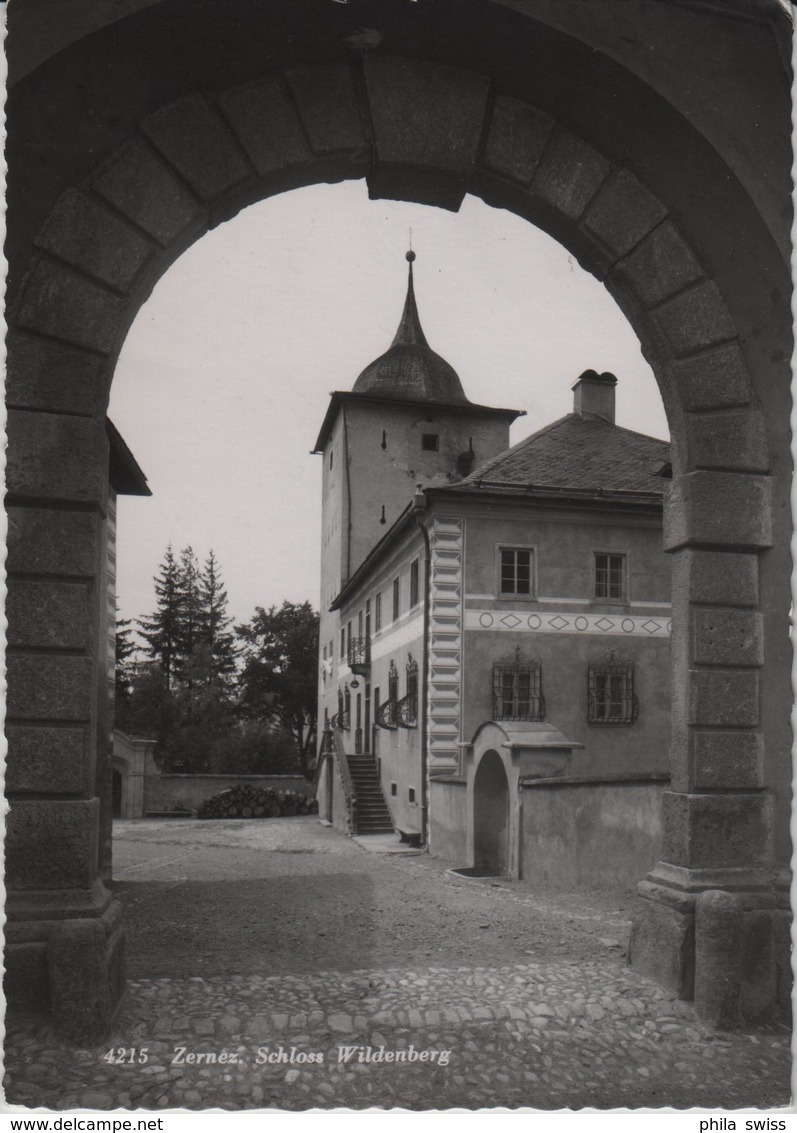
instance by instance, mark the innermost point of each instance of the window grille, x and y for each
(341, 720)
(515, 571)
(517, 692)
(610, 693)
(609, 576)
(387, 714)
(407, 707)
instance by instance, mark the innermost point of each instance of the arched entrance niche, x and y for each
(194, 162)
(491, 817)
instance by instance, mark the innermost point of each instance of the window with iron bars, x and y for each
(407, 707)
(517, 692)
(341, 721)
(386, 715)
(610, 694)
(609, 575)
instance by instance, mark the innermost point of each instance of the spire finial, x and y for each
(410, 257)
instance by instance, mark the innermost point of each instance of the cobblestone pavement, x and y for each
(549, 1036)
(525, 992)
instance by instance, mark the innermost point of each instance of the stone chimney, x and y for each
(593, 396)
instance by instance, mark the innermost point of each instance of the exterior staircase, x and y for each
(373, 816)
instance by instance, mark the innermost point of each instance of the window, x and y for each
(609, 576)
(414, 583)
(378, 613)
(360, 624)
(395, 599)
(324, 654)
(517, 691)
(515, 571)
(367, 727)
(342, 641)
(387, 713)
(610, 693)
(407, 708)
(411, 794)
(430, 442)
(331, 458)
(368, 619)
(393, 790)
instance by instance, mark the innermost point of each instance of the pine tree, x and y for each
(125, 648)
(162, 629)
(190, 619)
(216, 622)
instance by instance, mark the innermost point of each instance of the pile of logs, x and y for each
(245, 800)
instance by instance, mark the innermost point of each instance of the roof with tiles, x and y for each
(581, 453)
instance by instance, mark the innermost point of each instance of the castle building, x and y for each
(495, 625)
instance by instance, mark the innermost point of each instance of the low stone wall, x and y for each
(165, 794)
(591, 833)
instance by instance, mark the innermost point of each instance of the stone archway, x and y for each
(491, 817)
(192, 162)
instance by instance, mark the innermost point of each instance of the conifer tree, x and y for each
(162, 630)
(217, 622)
(125, 649)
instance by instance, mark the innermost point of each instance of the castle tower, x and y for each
(406, 420)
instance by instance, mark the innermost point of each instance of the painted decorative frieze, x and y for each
(564, 622)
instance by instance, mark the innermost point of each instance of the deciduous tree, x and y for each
(278, 680)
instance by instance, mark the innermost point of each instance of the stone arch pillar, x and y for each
(428, 132)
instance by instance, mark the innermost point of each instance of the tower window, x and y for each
(430, 442)
(609, 576)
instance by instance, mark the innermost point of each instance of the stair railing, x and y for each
(349, 792)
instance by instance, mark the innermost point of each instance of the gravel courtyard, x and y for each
(301, 970)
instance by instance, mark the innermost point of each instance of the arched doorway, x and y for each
(491, 817)
(631, 174)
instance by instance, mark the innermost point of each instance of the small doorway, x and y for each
(491, 817)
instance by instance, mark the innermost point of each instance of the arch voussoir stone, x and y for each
(142, 187)
(83, 232)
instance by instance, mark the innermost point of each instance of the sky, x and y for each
(225, 376)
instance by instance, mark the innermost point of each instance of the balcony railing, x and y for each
(359, 655)
(407, 712)
(386, 715)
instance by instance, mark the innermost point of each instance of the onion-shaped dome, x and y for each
(410, 369)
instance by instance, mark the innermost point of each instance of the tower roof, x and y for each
(410, 369)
